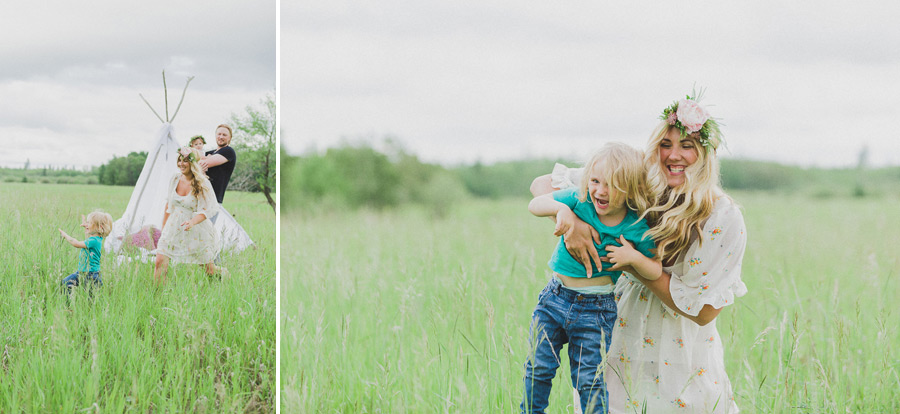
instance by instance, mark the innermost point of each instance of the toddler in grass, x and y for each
(97, 225)
(578, 306)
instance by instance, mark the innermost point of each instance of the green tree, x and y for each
(255, 138)
(122, 170)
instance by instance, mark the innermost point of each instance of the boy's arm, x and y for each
(544, 206)
(73, 241)
(627, 255)
(547, 206)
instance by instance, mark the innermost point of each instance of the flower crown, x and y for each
(689, 117)
(189, 154)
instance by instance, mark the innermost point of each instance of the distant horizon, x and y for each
(486, 161)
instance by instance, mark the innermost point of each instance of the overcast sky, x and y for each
(71, 72)
(804, 82)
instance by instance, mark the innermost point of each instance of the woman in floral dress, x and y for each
(666, 354)
(187, 235)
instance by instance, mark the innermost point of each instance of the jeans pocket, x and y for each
(544, 292)
(605, 320)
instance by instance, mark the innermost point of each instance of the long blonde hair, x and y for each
(623, 169)
(197, 176)
(679, 213)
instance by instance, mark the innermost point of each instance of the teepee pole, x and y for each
(166, 95)
(190, 78)
(151, 108)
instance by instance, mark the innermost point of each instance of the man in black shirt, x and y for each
(219, 163)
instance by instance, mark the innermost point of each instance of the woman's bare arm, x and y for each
(542, 185)
(660, 288)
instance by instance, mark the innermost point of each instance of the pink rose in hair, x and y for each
(671, 118)
(184, 151)
(691, 115)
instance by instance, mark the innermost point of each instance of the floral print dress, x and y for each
(201, 243)
(662, 362)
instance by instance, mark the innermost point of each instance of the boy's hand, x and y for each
(622, 256)
(63, 234)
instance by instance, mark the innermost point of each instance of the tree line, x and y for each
(354, 175)
(253, 140)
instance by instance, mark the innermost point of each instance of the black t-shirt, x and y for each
(221, 174)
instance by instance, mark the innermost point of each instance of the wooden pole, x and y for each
(182, 97)
(151, 108)
(165, 95)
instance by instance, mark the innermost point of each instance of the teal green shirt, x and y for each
(89, 259)
(633, 229)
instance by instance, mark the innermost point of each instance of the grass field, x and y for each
(195, 345)
(396, 312)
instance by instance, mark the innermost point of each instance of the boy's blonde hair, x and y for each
(623, 169)
(99, 223)
(680, 212)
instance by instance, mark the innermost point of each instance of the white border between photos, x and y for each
(278, 206)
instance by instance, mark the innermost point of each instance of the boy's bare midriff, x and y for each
(579, 282)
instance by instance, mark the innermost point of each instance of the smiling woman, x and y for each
(188, 234)
(666, 352)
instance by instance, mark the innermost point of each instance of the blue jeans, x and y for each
(584, 322)
(91, 279)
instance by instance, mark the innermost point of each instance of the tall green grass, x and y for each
(194, 345)
(398, 312)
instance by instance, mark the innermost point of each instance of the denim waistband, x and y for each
(570, 295)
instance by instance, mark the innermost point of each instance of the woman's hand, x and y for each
(565, 219)
(187, 225)
(580, 241)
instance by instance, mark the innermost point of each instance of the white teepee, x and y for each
(148, 201)
(234, 238)
(144, 214)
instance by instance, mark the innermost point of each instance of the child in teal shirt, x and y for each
(630, 227)
(577, 306)
(97, 225)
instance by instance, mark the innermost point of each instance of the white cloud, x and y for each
(805, 84)
(70, 80)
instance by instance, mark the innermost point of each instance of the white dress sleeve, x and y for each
(711, 273)
(206, 202)
(564, 177)
(170, 200)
